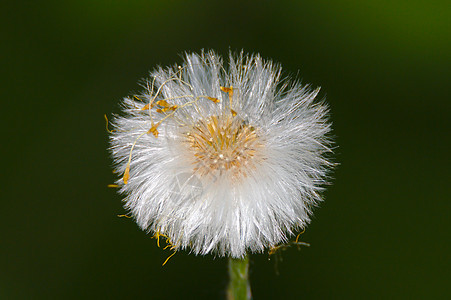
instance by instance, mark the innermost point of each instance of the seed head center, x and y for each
(223, 144)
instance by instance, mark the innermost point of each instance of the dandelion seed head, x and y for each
(222, 158)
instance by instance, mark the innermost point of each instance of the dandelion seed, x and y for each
(237, 163)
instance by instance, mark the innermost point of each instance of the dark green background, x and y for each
(384, 66)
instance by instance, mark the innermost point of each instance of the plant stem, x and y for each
(239, 287)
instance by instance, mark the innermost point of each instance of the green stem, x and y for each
(239, 287)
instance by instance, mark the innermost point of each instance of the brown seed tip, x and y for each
(215, 100)
(154, 130)
(162, 103)
(226, 89)
(126, 174)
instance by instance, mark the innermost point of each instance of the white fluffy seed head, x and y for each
(222, 159)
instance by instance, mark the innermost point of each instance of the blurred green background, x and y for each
(384, 66)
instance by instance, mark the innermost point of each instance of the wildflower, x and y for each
(223, 159)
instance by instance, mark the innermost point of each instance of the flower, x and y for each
(222, 159)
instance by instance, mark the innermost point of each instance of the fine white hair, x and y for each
(273, 132)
